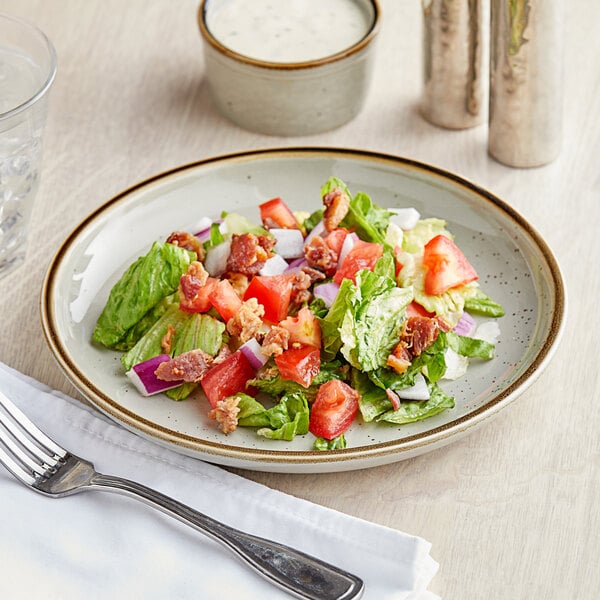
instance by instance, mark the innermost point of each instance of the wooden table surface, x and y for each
(513, 509)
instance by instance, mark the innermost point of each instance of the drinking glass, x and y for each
(27, 71)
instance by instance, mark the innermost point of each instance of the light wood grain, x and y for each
(513, 510)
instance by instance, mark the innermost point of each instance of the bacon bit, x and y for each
(399, 359)
(226, 413)
(247, 320)
(419, 333)
(276, 341)
(320, 256)
(336, 204)
(167, 340)
(192, 280)
(188, 241)
(190, 366)
(224, 352)
(249, 253)
(394, 398)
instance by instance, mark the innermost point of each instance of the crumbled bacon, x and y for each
(226, 413)
(247, 320)
(249, 253)
(320, 256)
(167, 340)
(191, 281)
(336, 204)
(187, 241)
(276, 341)
(189, 366)
(224, 352)
(419, 333)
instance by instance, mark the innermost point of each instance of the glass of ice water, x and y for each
(27, 70)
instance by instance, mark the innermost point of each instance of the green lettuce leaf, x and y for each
(331, 323)
(236, 223)
(481, 304)
(371, 325)
(471, 347)
(417, 410)
(414, 240)
(288, 418)
(337, 443)
(143, 285)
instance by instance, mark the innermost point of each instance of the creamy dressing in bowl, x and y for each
(288, 31)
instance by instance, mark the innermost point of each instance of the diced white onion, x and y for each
(394, 235)
(276, 265)
(215, 262)
(296, 265)
(466, 325)
(349, 242)
(456, 365)
(253, 352)
(202, 227)
(406, 218)
(419, 391)
(289, 244)
(488, 332)
(318, 229)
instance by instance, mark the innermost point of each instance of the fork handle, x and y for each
(298, 573)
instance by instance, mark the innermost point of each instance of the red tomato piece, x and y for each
(335, 239)
(227, 378)
(333, 410)
(225, 300)
(363, 255)
(275, 212)
(304, 328)
(447, 267)
(414, 309)
(299, 364)
(197, 300)
(273, 292)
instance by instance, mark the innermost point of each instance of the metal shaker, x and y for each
(525, 114)
(453, 91)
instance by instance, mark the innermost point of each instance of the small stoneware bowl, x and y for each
(280, 73)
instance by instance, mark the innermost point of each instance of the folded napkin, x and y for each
(103, 545)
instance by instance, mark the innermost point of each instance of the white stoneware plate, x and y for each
(515, 265)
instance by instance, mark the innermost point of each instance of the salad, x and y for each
(302, 323)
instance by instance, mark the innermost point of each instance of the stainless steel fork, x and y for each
(40, 463)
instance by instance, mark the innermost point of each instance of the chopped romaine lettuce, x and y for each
(417, 410)
(482, 304)
(414, 240)
(143, 285)
(337, 443)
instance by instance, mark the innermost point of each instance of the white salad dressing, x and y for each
(288, 31)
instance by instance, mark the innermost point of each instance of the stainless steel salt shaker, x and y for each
(453, 87)
(525, 114)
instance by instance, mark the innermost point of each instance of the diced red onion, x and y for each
(327, 292)
(466, 325)
(348, 244)
(202, 228)
(296, 264)
(289, 244)
(143, 378)
(253, 352)
(276, 265)
(419, 391)
(318, 229)
(215, 262)
(406, 218)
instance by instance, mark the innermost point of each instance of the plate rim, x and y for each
(207, 449)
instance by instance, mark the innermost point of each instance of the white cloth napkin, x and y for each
(102, 545)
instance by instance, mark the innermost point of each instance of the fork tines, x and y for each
(25, 451)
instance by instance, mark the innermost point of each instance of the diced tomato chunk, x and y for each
(227, 378)
(199, 302)
(275, 212)
(335, 239)
(304, 328)
(273, 292)
(447, 267)
(363, 255)
(414, 309)
(333, 410)
(225, 300)
(299, 364)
